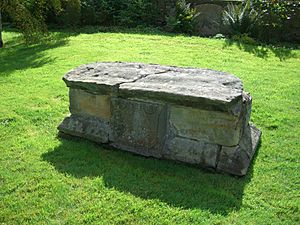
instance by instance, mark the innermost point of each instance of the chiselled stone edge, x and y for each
(184, 100)
(231, 160)
(92, 87)
(237, 160)
(96, 87)
(165, 68)
(86, 127)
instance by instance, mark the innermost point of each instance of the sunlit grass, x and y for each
(47, 180)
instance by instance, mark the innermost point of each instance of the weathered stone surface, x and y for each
(138, 127)
(236, 160)
(198, 116)
(210, 126)
(105, 77)
(201, 88)
(191, 151)
(246, 109)
(204, 88)
(91, 128)
(85, 103)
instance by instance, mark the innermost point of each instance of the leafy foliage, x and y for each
(243, 39)
(273, 16)
(183, 18)
(29, 16)
(128, 13)
(240, 18)
(262, 19)
(70, 15)
(257, 18)
(274, 13)
(94, 12)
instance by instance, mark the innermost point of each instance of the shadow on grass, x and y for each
(124, 30)
(176, 184)
(18, 56)
(282, 51)
(262, 50)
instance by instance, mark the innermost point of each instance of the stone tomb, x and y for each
(196, 116)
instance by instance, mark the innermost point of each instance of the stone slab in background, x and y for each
(208, 23)
(197, 116)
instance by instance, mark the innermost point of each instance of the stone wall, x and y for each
(195, 116)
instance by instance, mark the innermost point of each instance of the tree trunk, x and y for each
(1, 41)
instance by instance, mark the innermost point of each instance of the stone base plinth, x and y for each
(195, 116)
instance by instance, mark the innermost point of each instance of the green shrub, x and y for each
(88, 12)
(240, 18)
(70, 15)
(273, 16)
(182, 19)
(244, 38)
(29, 16)
(274, 13)
(129, 13)
(134, 12)
(94, 12)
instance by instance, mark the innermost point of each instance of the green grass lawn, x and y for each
(44, 179)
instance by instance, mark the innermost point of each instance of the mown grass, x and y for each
(44, 179)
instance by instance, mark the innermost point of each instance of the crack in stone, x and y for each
(144, 76)
(139, 78)
(218, 156)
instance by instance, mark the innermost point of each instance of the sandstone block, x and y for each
(197, 116)
(209, 126)
(104, 78)
(82, 102)
(90, 128)
(138, 126)
(236, 159)
(199, 88)
(194, 152)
